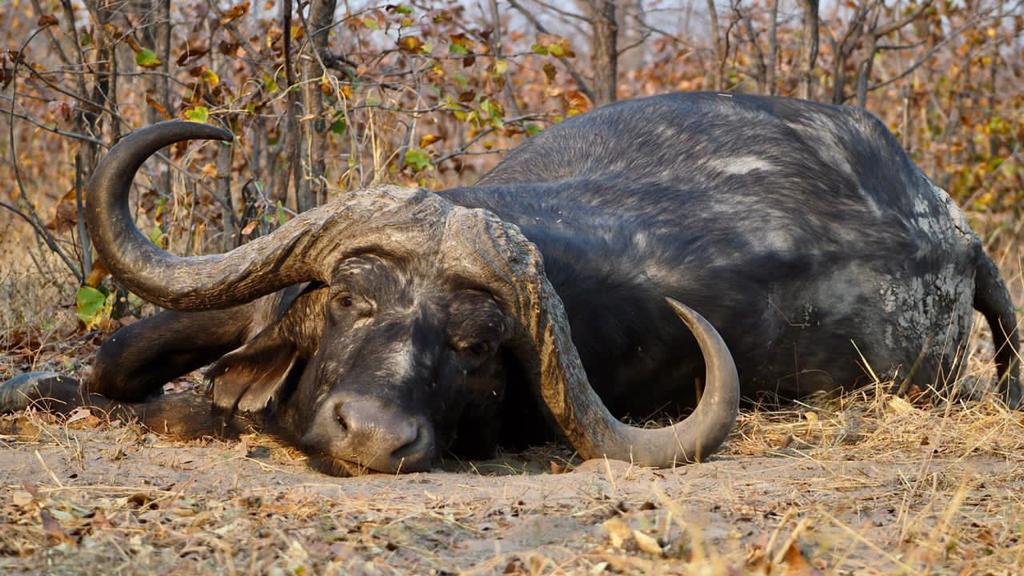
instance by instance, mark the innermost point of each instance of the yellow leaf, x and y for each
(210, 77)
(428, 139)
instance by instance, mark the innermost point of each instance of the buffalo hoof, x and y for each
(36, 389)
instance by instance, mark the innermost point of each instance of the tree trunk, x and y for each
(229, 228)
(867, 65)
(295, 148)
(809, 49)
(604, 50)
(773, 47)
(716, 43)
(321, 15)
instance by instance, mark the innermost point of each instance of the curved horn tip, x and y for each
(202, 130)
(686, 313)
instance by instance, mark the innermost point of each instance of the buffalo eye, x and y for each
(478, 348)
(343, 301)
(343, 305)
(475, 349)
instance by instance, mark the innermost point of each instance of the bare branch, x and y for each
(931, 52)
(41, 231)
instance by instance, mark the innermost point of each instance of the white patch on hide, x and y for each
(399, 364)
(739, 165)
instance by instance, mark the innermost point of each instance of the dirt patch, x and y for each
(74, 496)
(867, 484)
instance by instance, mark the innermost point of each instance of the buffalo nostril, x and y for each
(415, 447)
(378, 436)
(339, 417)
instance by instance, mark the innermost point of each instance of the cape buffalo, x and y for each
(389, 325)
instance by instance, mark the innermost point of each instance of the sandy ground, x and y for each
(924, 499)
(869, 484)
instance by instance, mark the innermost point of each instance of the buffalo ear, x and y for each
(251, 377)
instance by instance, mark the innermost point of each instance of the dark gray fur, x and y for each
(801, 231)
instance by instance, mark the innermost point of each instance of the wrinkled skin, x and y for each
(397, 355)
(320, 356)
(801, 231)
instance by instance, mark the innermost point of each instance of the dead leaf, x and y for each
(647, 543)
(618, 531)
(139, 499)
(60, 110)
(900, 406)
(514, 566)
(22, 498)
(576, 102)
(797, 564)
(55, 534)
(97, 274)
(235, 12)
(160, 108)
(65, 212)
(428, 139)
(82, 418)
(99, 520)
(550, 72)
(77, 414)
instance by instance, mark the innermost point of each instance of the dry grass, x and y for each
(864, 484)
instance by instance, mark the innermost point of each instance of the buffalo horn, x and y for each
(516, 274)
(184, 283)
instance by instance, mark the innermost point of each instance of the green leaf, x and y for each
(269, 84)
(146, 58)
(417, 159)
(403, 9)
(533, 129)
(161, 206)
(457, 49)
(490, 108)
(282, 216)
(156, 236)
(338, 127)
(197, 114)
(92, 306)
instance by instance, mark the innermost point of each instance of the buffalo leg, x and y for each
(183, 415)
(137, 360)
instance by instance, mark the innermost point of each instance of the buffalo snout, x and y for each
(370, 433)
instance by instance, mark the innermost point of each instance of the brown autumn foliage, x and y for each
(327, 96)
(337, 95)
(334, 96)
(343, 94)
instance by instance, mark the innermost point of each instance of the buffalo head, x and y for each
(409, 307)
